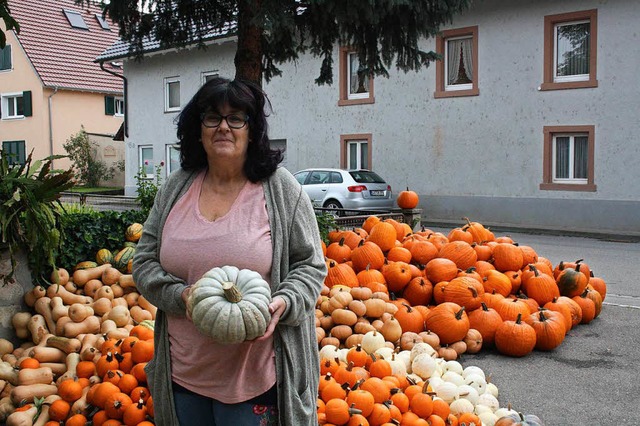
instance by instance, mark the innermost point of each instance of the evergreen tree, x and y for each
(271, 32)
(9, 22)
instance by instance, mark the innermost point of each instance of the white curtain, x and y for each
(358, 83)
(456, 49)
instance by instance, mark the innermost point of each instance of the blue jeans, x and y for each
(197, 410)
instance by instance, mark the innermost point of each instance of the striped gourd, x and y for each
(133, 232)
(123, 257)
(104, 256)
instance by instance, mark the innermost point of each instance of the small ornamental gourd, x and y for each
(230, 305)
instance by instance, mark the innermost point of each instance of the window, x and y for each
(5, 58)
(75, 19)
(145, 156)
(356, 85)
(356, 151)
(173, 158)
(16, 105)
(103, 22)
(568, 158)
(570, 45)
(14, 152)
(118, 107)
(457, 73)
(208, 75)
(171, 94)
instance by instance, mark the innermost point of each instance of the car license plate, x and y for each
(377, 193)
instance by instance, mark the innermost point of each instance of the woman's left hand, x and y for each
(276, 308)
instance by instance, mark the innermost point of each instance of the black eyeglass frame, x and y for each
(224, 117)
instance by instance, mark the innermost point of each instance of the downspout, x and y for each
(55, 90)
(126, 102)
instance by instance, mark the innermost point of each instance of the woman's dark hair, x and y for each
(245, 96)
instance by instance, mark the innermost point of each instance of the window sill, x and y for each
(456, 93)
(169, 111)
(589, 187)
(16, 117)
(363, 101)
(569, 85)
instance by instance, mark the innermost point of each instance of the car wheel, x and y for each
(332, 204)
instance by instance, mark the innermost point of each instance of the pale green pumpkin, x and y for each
(230, 305)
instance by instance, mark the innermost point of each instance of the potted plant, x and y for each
(29, 214)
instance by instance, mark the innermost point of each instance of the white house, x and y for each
(530, 120)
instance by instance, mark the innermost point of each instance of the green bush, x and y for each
(86, 232)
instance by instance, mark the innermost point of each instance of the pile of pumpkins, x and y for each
(468, 288)
(86, 341)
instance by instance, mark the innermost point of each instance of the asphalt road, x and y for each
(592, 378)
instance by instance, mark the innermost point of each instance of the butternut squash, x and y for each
(6, 347)
(46, 354)
(110, 275)
(88, 341)
(22, 418)
(43, 307)
(65, 344)
(81, 276)
(29, 392)
(117, 290)
(37, 328)
(61, 323)
(107, 325)
(119, 301)
(31, 296)
(138, 314)
(90, 354)
(58, 368)
(132, 299)
(19, 322)
(8, 373)
(78, 312)
(71, 362)
(60, 276)
(91, 287)
(126, 281)
(101, 306)
(71, 287)
(58, 308)
(68, 297)
(104, 291)
(81, 405)
(118, 333)
(147, 306)
(6, 408)
(89, 325)
(120, 315)
(31, 376)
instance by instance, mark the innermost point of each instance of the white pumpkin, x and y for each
(230, 305)
(372, 341)
(423, 365)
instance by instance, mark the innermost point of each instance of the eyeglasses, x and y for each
(234, 121)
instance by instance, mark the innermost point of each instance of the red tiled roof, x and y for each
(64, 56)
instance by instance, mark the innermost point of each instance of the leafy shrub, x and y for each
(84, 233)
(82, 152)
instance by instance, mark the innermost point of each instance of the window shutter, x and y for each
(109, 105)
(5, 58)
(26, 97)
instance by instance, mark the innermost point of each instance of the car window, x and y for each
(301, 177)
(361, 176)
(319, 177)
(336, 177)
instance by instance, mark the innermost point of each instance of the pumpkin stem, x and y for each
(459, 313)
(231, 292)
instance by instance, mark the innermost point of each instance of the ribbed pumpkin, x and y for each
(384, 235)
(515, 338)
(462, 254)
(122, 258)
(104, 256)
(572, 282)
(407, 199)
(133, 232)
(230, 305)
(507, 257)
(449, 321)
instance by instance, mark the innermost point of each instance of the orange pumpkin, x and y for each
(407, 199)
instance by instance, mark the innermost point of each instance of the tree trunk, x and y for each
(248, 58)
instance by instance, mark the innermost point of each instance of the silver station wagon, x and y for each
(346, 189)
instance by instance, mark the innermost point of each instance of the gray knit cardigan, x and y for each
(297, 274)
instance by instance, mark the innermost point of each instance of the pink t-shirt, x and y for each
(191, 245)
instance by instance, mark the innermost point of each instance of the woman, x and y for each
(230, 204)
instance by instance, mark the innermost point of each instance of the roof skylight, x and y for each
(75, 19)
(103, 22)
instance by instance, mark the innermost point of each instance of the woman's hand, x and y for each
(276, 309)
(185, 297)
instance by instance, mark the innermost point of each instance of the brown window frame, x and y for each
(547, 159)
(344, 83)
(344, 139)
(550, 22)
(440, 71)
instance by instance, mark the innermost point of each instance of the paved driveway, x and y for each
(592, 378)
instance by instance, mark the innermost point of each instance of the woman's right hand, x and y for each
(185, 298)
